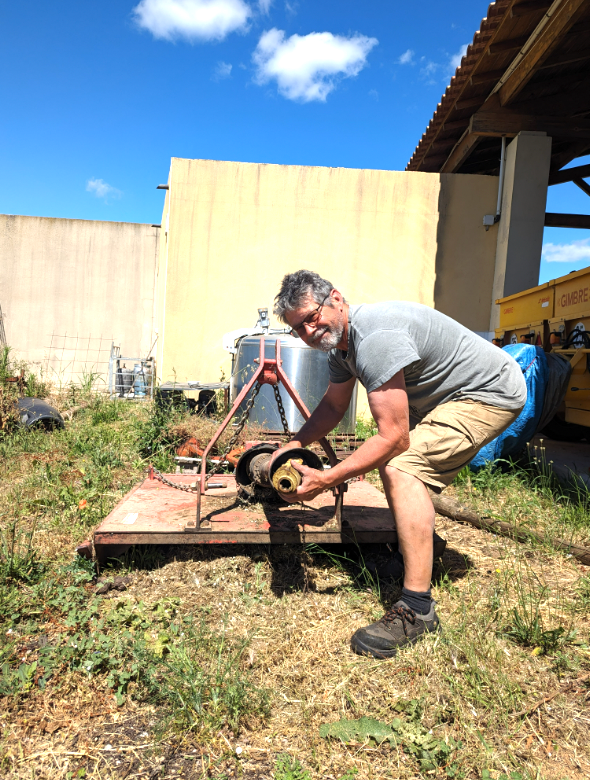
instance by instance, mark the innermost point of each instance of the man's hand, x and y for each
(312, 484)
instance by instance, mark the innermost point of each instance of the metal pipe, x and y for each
(256, 466)
(501, 181)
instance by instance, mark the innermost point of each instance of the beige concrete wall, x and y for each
(78, 278)
(235, 229)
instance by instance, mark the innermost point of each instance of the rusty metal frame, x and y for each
(270, 372)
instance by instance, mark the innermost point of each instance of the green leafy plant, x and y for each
(18, 559)
(527, 630)
(289, 768)
(429, 750)
(105, 410)
(525, 622)
(201, 681)
(19, 680)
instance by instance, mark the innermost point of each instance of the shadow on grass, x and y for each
(294, 568)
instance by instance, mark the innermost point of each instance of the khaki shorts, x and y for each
(449, 437)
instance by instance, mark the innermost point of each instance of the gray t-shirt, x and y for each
(442, 361)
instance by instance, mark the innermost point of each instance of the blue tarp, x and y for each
(533, 364)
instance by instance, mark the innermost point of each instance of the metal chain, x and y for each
(240, 427)
(217, 467)
(161, 478)
(279, 401)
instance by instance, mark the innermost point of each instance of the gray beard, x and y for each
(327, 338)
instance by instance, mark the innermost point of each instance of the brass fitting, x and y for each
(286, 479)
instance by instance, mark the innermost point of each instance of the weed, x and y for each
(583, 592)
(530, 495)
(106, 410)
(527, 630)
(522, 594)
(350, 774)
(140, 556)
(155, 441)
(18, 559)
(289, 768)
(430, 751)
(19, 680)
(201, 683)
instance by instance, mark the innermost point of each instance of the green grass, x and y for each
(146, 651)
(528, 494)
(65, 482)
(227, 646)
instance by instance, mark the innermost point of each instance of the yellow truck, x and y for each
(556, 316)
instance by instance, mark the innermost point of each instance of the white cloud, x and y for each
(407, 58)
(102, 190)
(374, 94)
(202, 20)
(264, 6)
(428, 70)
(306, 67)
(455, 60)
(575, 252)
(222, 70)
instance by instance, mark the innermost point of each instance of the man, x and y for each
(458, 390)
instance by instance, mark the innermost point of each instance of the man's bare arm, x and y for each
(389, 407)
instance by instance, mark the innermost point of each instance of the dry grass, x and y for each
(299, 610)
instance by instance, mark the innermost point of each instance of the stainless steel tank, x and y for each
(306, 368)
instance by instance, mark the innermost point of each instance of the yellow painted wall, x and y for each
(230, 231)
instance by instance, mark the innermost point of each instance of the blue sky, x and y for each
(97, 96)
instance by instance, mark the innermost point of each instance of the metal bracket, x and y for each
(269, 371)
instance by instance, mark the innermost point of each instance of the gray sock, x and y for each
(419, 602)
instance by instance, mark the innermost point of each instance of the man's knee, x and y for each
(390, 475)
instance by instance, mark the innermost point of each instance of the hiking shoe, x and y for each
(393, 568)
(399, 626)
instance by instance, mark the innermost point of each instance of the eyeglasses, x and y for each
(311, 319)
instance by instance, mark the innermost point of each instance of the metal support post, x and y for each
(269, 371)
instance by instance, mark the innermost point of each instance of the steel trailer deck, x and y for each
(153, 513)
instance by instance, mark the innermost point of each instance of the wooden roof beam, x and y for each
(569, 174)
(567, 220)
(569, 153)
(548, 34)
(530, 7)
(508, 45)
(584, 186)
(499, 123)
(474, 102)
(486, 76)
(566, 58)
(461, 151)
(459, 124)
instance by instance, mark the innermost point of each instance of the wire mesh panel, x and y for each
(78, 358)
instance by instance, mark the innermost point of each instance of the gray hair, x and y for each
(297, 287)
